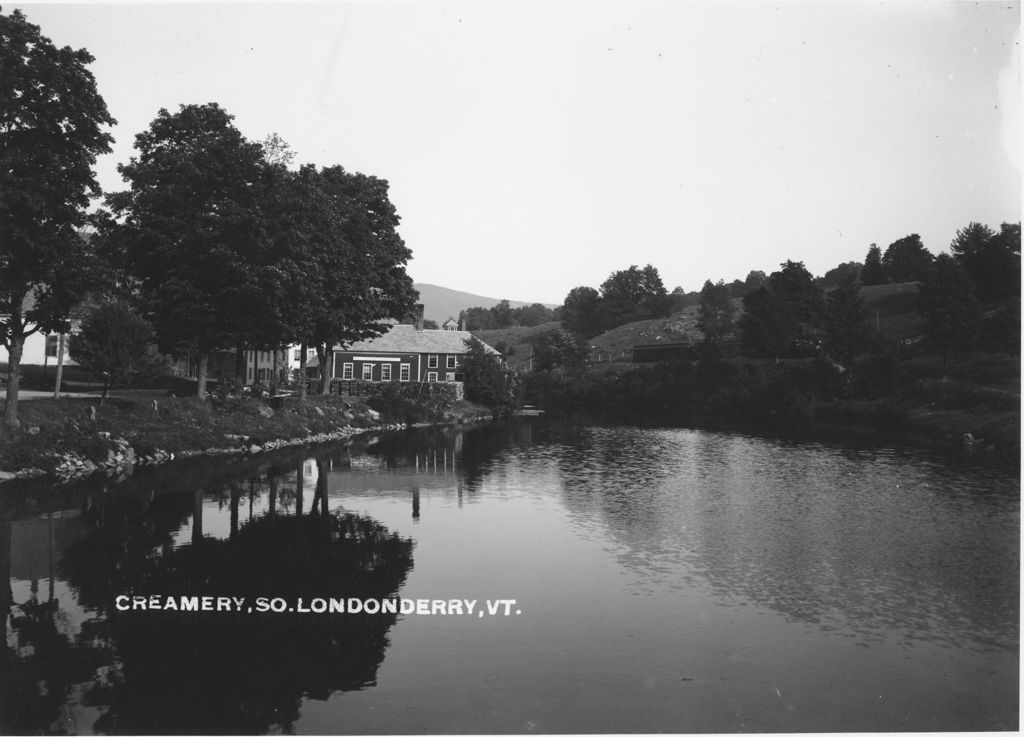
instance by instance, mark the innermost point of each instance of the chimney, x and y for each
(419, 317)
(462, 323)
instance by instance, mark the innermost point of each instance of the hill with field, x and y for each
(892, 307)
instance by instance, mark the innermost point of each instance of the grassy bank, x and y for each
(75, 435)
(883, 400)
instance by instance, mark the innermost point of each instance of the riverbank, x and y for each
(73, 437)
(973, 408)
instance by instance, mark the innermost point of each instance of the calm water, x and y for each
(664, 581)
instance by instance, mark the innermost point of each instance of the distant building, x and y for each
(405, 353)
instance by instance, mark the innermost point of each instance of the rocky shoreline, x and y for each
(123, 456)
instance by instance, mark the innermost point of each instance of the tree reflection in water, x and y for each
(204, 672)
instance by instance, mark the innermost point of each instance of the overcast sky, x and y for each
(534, 147)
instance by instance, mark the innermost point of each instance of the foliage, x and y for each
(991, 260)
(503, 315)
(362, 282)
(873, 272)
(52, 121)
(848, 271)
(715, 314)
(908, 260)
(116, 343)
(845, 322)
(950, 307)
(191, 229)
(782, 311)
(581, 311)
(562, 350)
(488, 380)
(633, 294)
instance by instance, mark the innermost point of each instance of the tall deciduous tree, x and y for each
(581, 311)
(782, 310)
(191, 228)
(950, 306)
(633, 294)
(52, 127)
(361, 265)
(908, 260)
(715, 313)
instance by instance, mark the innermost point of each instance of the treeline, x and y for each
(503, 315)
(218, 243)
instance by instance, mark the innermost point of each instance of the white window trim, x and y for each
(385, 372)
(350, 369)
(432, 361)
(368, 369)
(431, 377)
(452, 362)
(406, 370)
(450, 376)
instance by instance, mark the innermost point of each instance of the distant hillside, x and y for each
(440, 303)
(893, 307)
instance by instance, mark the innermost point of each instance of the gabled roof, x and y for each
(407, 339)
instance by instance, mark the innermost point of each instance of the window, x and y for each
(52, 341)
(451, 362)
(298, 354)
(432, 360)
(431, 377)
(367, 372)
(347, 371)
(248, 374)
(385, 372)
(450, 376)
(403, 372)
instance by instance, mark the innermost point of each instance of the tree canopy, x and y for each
(191, 228)
(715, 314)
(783, 310)
(52, 127)
(949, 305)
(908, 260)
(991, 260)
(873, 272)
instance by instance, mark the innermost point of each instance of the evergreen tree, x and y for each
(873, 273)
(991, 260)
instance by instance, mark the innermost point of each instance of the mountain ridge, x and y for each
(440, 303)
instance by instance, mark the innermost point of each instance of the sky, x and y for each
(532, 147)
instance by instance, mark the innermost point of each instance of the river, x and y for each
(516, 579)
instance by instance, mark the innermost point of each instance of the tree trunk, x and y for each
(302, 372)
(298, 490)
(60, 366)
(204, 362)
(325, 369)
(14, 375)
(240, 363)
(275, 374)
(106, 389)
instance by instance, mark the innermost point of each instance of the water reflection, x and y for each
(70, 655)
(671, 581)
(855, 542)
